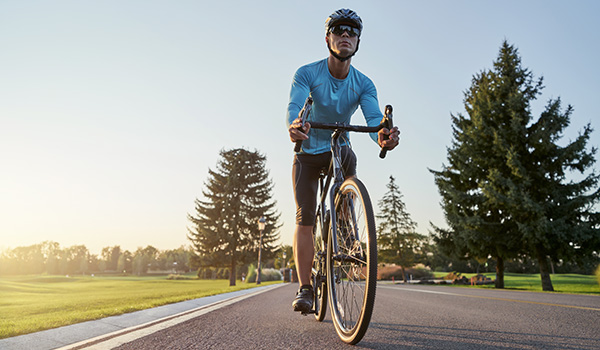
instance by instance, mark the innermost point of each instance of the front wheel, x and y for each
(352, 262)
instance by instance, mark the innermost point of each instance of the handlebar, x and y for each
(346, 127)
(386, 122)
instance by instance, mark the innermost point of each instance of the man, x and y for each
(337, 90)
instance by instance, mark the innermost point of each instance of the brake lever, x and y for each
(303, 116)
(387, 123)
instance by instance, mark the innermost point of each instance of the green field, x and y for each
(562, 283)
(34, 303)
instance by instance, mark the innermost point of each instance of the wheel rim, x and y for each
(318, 269)
(349, 265)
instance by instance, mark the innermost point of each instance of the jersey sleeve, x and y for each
(298, 94)
(369, 105)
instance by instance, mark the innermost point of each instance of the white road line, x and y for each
(417, 290)
(120, 337)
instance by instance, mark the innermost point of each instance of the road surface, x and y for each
(405, 317)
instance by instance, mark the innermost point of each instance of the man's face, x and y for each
(341, 41)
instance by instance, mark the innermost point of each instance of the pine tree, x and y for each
(504, 191)
(496, 103)
(398, 242)
(556, 216)
(237, 194)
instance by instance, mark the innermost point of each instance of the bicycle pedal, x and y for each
(309, 312)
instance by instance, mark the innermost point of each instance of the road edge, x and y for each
(122, 336)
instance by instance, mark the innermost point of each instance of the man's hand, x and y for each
(392, 141)
(296, 131)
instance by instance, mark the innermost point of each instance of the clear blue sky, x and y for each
(112, 112)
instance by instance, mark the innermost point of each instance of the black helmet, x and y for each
(343, 16)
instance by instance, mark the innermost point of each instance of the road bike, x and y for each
(344, 269)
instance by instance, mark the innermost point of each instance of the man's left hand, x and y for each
(392, 141)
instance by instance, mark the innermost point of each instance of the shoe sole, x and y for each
(302, 308)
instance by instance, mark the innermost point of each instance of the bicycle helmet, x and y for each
(343, 16)
(346, 16)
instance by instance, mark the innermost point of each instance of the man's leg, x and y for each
(303, 252)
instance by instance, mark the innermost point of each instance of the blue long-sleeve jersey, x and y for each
(334, 100)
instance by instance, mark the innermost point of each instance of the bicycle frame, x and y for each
(343, 249)
(335, 170)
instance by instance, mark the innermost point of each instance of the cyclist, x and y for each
(337, 89)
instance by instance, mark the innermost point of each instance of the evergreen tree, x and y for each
(504, 191)
(237, 194)
(556, 216)
(497, 101)
(398, 242)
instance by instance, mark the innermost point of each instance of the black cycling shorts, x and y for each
(305, 173)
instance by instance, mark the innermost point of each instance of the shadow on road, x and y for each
(393, 336)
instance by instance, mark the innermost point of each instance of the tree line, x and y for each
(49, 258)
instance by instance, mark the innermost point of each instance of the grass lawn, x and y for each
(34, 303)
(562, 283)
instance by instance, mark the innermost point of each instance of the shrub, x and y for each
(387, 272)
(211, 273)
(598, 273)
(457, 278)
(177, 277)
(452, 276)
(265, 275)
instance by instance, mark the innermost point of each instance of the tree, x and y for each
(556, 216)
(51, 251)
(144, 259)
(504, 191)
(125, 262)
(176, 259)
(280, 262)
(479, 226)
(77, 259)
(224, 228)
(111, 255)
(398, 242)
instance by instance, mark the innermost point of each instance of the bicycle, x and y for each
(344, 270)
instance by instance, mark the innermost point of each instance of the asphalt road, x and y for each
(405, 317)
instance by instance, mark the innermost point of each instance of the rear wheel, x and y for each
(352, 262)
(318, 267)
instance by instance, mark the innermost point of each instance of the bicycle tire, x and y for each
(352, 270)
(318, 268)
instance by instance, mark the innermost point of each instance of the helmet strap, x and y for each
(342, 59)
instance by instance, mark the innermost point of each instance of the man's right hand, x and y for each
(296, 131)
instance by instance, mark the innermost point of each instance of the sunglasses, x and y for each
(341, 28)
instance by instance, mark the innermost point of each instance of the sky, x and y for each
(112, 112)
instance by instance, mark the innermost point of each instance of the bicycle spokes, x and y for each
(318, 268)
(352, 262)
